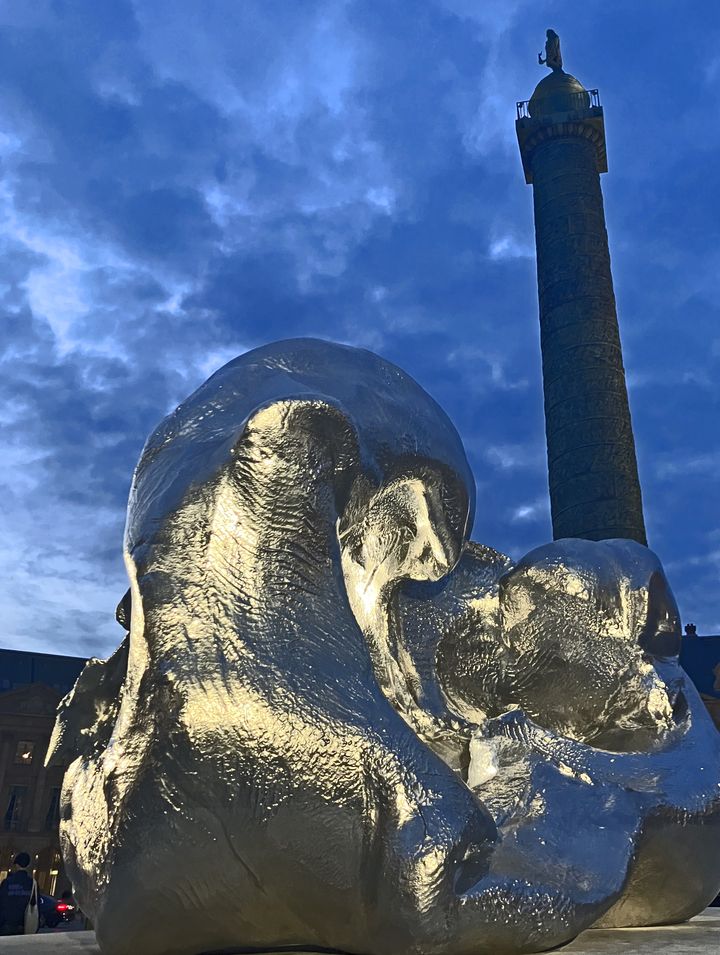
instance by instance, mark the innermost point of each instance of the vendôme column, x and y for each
(594, 486)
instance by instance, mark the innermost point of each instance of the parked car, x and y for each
(54, 911)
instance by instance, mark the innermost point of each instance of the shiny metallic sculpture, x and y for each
(337, 723)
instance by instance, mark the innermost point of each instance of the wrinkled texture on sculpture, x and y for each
(337, 723)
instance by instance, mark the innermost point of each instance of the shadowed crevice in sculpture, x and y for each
(306, 724)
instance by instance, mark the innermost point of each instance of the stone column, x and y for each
(37, 813)
(592, 469)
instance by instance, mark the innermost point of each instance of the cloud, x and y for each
(538, 510)
(512, 457)
(706, 465)
(508, 247)
(181, 182)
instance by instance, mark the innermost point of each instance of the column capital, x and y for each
(581, 124)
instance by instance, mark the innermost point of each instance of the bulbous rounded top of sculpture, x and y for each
(558, 92)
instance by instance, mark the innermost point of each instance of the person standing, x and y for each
(15, 893)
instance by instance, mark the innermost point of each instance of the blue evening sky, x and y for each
(182, 181)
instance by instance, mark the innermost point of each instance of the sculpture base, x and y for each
(700, 936)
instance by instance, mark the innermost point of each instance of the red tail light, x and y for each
(63, 907)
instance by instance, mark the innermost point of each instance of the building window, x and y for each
(13, 814)
(24, 753)
(52, 819)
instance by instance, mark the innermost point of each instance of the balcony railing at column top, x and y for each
(561, 103)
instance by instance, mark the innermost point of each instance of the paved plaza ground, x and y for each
(701, 936)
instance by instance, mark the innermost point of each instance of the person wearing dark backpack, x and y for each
(15, 896)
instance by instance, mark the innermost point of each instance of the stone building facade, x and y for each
(700, 658)
(30, 793)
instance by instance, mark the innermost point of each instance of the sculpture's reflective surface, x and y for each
(337, 723)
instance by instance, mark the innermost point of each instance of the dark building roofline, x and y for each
(19, 668)
(38, 653)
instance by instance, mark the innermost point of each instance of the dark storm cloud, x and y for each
(184, 181)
